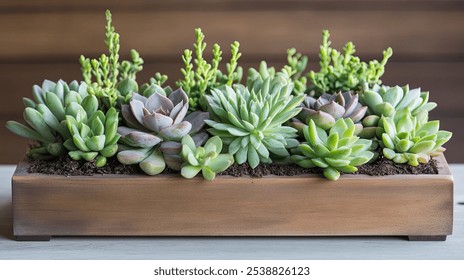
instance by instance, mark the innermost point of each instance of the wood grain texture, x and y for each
(230, 248)
(168, 205)
(152, 33)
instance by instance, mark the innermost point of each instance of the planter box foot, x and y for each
(427, 237)
(32, 237)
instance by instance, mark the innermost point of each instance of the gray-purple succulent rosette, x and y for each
(155, 126)
(328, 108)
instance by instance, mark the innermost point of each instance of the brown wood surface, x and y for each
(155, 33)
(123, 205)
(43, 39)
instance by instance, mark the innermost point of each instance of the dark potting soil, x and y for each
(381, 167)
(67, 167)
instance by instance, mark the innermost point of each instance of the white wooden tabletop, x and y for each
(229, 247)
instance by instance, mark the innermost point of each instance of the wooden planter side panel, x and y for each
(271, 206)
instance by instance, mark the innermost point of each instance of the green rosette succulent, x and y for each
(335, 151)
(408, 139)
(345, 71)
(207, 159)
(385, 101)
(249, 120)
(155, 128)
(45, 117)
(94, 133)
(328, 108)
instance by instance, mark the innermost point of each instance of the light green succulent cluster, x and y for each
(94, 133)
(344, 71)
(45, 117)
(65, 118)
(296, 65)
(199, 81)
(335, 151)
(412, 139)
(292, 72)
(386, 101)
(207, 159)
(109, 80)
(158, 79)
(249, 119)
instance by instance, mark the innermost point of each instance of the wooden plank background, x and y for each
(43, 39)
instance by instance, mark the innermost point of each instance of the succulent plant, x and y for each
(207, 159)
(385, 101)
(199, 81)
(335, 151)
(94, 134)
(328, 108)
(344, 71)
(249, 119)
(45, 116)
(408, 139)
(296, 65)
(291, 72)
(155, 119)
(111, 81)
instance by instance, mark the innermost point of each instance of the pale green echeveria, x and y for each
(94, 133)
(335, 151)
(385, 101)
(249, 120)
(407, 139)
(45, 116)
(157, 119)
(328, 108)
(207, 159)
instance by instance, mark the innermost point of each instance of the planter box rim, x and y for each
(443, 173)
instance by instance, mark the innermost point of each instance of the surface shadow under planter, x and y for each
(417, 206)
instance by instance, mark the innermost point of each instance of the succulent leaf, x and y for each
(328, 108)
(249, 119)
(345, 71)
(206, 159)
(339, 151)
(406, 139)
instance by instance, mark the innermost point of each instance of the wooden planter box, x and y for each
(417, 206)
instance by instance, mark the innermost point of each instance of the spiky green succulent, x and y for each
(344, 71)
(328, 108)
(45, 116)
(337, 151)
(249, 119)
(207, 159)
(158, 118)
(94, 133)
(385, 101)
(199, 81)
(412, 139)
